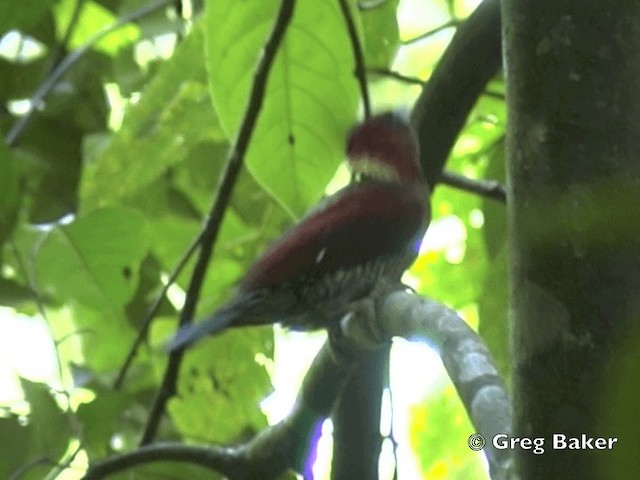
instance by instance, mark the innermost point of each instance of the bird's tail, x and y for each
(191, 333)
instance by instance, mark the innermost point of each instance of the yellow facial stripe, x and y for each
(372, 168)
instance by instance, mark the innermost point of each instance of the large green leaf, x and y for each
(94, 260)
(173, 115)
(218, 394)
(48, 432)
(310, 98)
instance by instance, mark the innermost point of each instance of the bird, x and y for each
(335, 255)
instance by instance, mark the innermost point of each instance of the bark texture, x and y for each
(572, 71)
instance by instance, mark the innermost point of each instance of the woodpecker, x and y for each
(335, 255)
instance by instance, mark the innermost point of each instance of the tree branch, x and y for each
(472, 58)
(212, 226)
(385, 72)
(151, 312)
(62, 46)
(356, 419)
(69, 61)
(465, 357)
(487, 188)
(394, 312)
(214, 458)
(360, 71)
(454, 22)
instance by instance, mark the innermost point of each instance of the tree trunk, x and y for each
(572, 71)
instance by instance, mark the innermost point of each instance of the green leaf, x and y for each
(100, 420)
(103, 337)
(48, 427)
(53, 145)
(173, 116)
(95, 259)
(439, 432)
(22, 14)
(381, 34)
(222, 390)
(13, 293)
(17, 435)
(93, 18)
(310, 97)
(19, 79)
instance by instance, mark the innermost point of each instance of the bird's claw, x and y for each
(360, 325)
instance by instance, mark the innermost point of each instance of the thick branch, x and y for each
(356, 419)
(465, 357)
(472, 58)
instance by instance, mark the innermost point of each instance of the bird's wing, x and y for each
(359, 224)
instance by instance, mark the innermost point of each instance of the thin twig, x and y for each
(360, 71)
(494, 94)
(454, 22)
(69, 61)
(28, 269)
(22, 470)
(397, 76)
(61, 467)
(151, 312)
(487, 188)
(212, 227)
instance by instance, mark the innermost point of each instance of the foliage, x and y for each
(101, 194)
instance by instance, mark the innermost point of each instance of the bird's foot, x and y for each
(360, 325)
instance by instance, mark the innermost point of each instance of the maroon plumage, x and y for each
(335, 255)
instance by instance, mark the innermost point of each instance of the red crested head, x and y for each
(385, 147)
